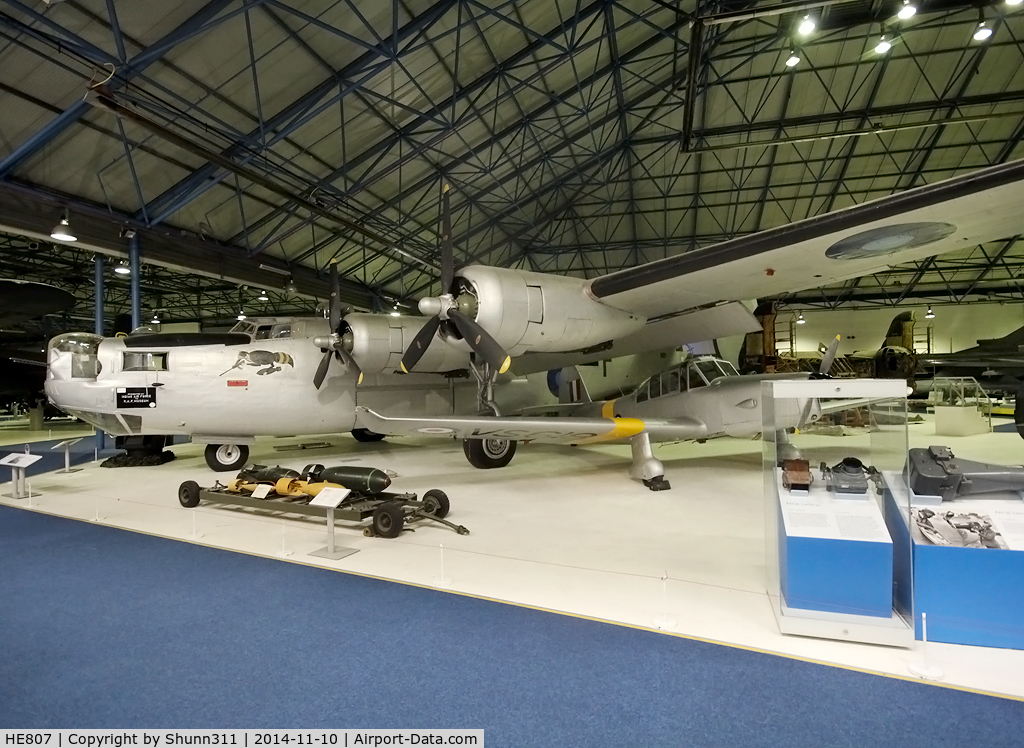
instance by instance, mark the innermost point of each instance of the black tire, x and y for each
(489, 453)
(435, 502)
(188, 494)
(365, 435)
(225, 457)
(388, 519)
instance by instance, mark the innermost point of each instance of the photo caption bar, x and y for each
(237, 738)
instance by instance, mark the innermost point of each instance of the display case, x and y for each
(967, 539)
(838, 558)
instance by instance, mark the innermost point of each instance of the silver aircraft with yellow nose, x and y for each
(701, 398)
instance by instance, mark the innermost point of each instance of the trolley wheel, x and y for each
(225, 457)
(388, 519)
(188, 494)
(435, 502)
(365, 435)
(489, 453)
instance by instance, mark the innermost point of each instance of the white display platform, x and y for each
(954, 420)
(561, 529)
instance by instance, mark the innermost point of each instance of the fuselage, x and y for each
(242, 384)
(705, 393)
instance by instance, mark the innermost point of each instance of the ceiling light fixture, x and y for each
(908, 10)
(1014, 2)
(983, 32)
(122, 269)
(263, 296)
(793, 60)
(800, 320)
(241, 314)
(929, 314)
(806, 26)
(290, 286)
(883, 46)
(62, 231)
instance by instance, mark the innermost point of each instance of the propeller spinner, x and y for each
(335, 344)
(449, 307)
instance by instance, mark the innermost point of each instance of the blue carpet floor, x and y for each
(105, 628)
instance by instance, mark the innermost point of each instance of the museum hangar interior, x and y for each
(656, 178)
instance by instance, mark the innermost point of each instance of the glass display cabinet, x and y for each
(839, 560)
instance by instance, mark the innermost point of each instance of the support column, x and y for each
(136, 279)
(99, 267)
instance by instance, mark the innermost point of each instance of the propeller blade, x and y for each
(829, 358)
(447, 249)
(350, 362)
(321, 370)
(335, 299)
(419, 344)
(481, 341)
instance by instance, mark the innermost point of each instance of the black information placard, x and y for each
(136, 397)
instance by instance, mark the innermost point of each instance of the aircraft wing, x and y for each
(956, 213)
(547, 430)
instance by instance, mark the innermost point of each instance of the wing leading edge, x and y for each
(960, 212)
(546, 430)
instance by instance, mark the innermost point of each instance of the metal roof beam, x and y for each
(293, 116)
(194, 25)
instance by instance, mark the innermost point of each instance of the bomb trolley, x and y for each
(286, 490)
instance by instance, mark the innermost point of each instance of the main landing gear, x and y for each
(226, 457)
(487, 454)
(646, 467)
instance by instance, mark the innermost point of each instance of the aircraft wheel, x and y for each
(365, 435)
(188, 494)
(435, 502)
(225, 457)
(489, 453)
(388, 519)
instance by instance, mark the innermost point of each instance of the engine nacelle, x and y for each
(379, 341)
(527, 311)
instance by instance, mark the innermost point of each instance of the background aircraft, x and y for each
(997, 363)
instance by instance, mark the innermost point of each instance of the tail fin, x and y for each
(571, 387)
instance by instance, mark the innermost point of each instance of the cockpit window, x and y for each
(694, 378)
(135, 361)
(81, 348)
(281, 331)
(262, 332)
(655, 387)
(728, 369)
(242, 326)
(670, 382)
(710, 371)
(77, 342)
(641, 393)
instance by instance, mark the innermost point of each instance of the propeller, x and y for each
(827, 360)
(335, 344)
(822, 373)
(448, 308)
